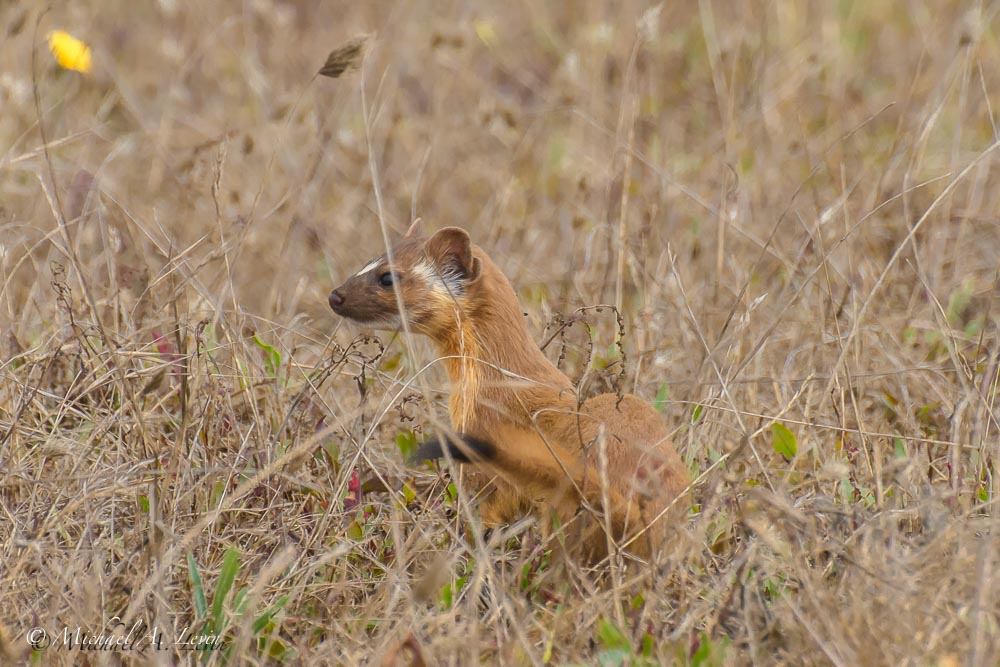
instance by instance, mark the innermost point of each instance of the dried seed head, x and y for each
(344, 57)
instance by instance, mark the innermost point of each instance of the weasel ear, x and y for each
(416, 229)
(451, 248)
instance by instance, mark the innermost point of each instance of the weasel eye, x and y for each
(386, 279)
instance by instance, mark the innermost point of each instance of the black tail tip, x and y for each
(462, 448)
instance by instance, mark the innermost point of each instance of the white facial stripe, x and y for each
(371, 266)
(425, 272)
(452, 281)
(448, 282)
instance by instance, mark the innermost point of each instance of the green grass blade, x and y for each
(261, 621)
(230, 566)
(200, 605)
(784, 440)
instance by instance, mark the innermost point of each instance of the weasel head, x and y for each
(427, 282)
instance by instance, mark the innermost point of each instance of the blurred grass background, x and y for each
(794, 206)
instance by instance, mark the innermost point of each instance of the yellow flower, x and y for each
(69, 52)
(486, 31)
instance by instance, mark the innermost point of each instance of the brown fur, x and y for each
(504, 390)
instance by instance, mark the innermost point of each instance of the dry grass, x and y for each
(795, 205)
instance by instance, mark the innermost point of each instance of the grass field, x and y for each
(795, 207)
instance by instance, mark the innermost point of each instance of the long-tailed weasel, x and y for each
(517, 418)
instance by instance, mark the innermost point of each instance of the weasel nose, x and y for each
(336, 299)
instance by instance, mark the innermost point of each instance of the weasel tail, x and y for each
(606, 467)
